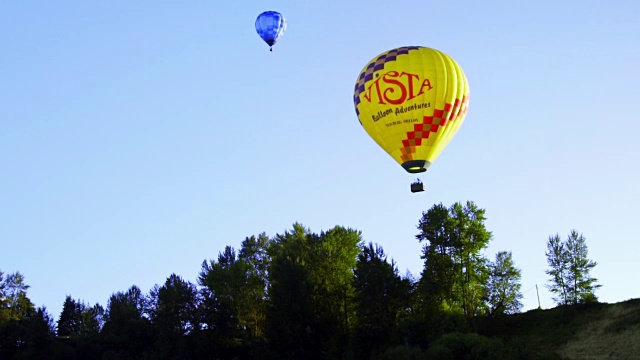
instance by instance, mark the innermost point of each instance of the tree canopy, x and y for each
(305, 295)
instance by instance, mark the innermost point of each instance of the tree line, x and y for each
(306, 295)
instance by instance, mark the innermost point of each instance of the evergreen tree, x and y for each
(382, 296)
(70, 320)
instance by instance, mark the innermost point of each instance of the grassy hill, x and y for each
(588, 331)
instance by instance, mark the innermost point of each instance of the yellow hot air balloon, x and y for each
(412, 100)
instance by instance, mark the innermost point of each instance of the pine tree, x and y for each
(70, 321)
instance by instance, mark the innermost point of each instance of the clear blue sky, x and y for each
(139, 138)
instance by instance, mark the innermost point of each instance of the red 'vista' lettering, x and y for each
(389, 89)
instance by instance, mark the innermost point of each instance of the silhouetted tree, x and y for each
(226, 296)
(26, 332)
(92, 319)
(173, 308)
(127, 331)
(382, 296)
(582, 286)
(504, 285)
(570, 270)
(311, 292)
(70, 320)
(558, 261)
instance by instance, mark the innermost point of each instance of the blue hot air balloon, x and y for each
(270, 25)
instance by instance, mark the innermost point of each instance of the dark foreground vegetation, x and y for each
(328, 295)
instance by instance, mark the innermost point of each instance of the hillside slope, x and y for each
(588, 331)
(613, 334)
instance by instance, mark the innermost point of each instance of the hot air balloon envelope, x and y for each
(412, 100)
(271, 25)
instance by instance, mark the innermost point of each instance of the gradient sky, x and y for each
(137, 139)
